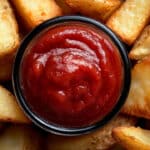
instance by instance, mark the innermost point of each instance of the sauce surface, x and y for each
(72, 75)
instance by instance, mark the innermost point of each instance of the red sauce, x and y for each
(72, 75)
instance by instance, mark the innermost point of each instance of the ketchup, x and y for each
(72, 75)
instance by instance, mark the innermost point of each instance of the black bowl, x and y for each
(19, 94)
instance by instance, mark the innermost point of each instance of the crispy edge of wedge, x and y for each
(141, 47)
(100, 10)
(34, 12)
(132, 138)
(129, 20)
(138, 101)
(9, 108)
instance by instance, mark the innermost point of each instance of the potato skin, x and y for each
(130, 19)
(98, 9)
(65, 8)
(9, 39)
(35, 12)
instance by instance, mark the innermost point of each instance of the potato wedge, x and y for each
(98, 140)
(35, 12)
(132, 138)
(141, 47)
(9, 109)
(138, 101)
(99, 9)
(20, 138)
(9, 39)
(130, 19)
(65, 8)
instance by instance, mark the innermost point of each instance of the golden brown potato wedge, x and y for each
(141, 47)
(99, 140)
(99, 9)
(20, 138)
(130, 19)
(35, 12)
(9, 39)
(65, 8)
(9, 109)
(138, 101)
(132, 138)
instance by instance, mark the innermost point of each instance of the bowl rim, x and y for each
(57, 129)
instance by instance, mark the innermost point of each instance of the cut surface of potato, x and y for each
(9, 109)
(130, 19)
(9, 39)
(132, 138)
(138, 101)
(98, 140)
(141, 47)
(20, 138)
(99, 9)
(35, 12)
